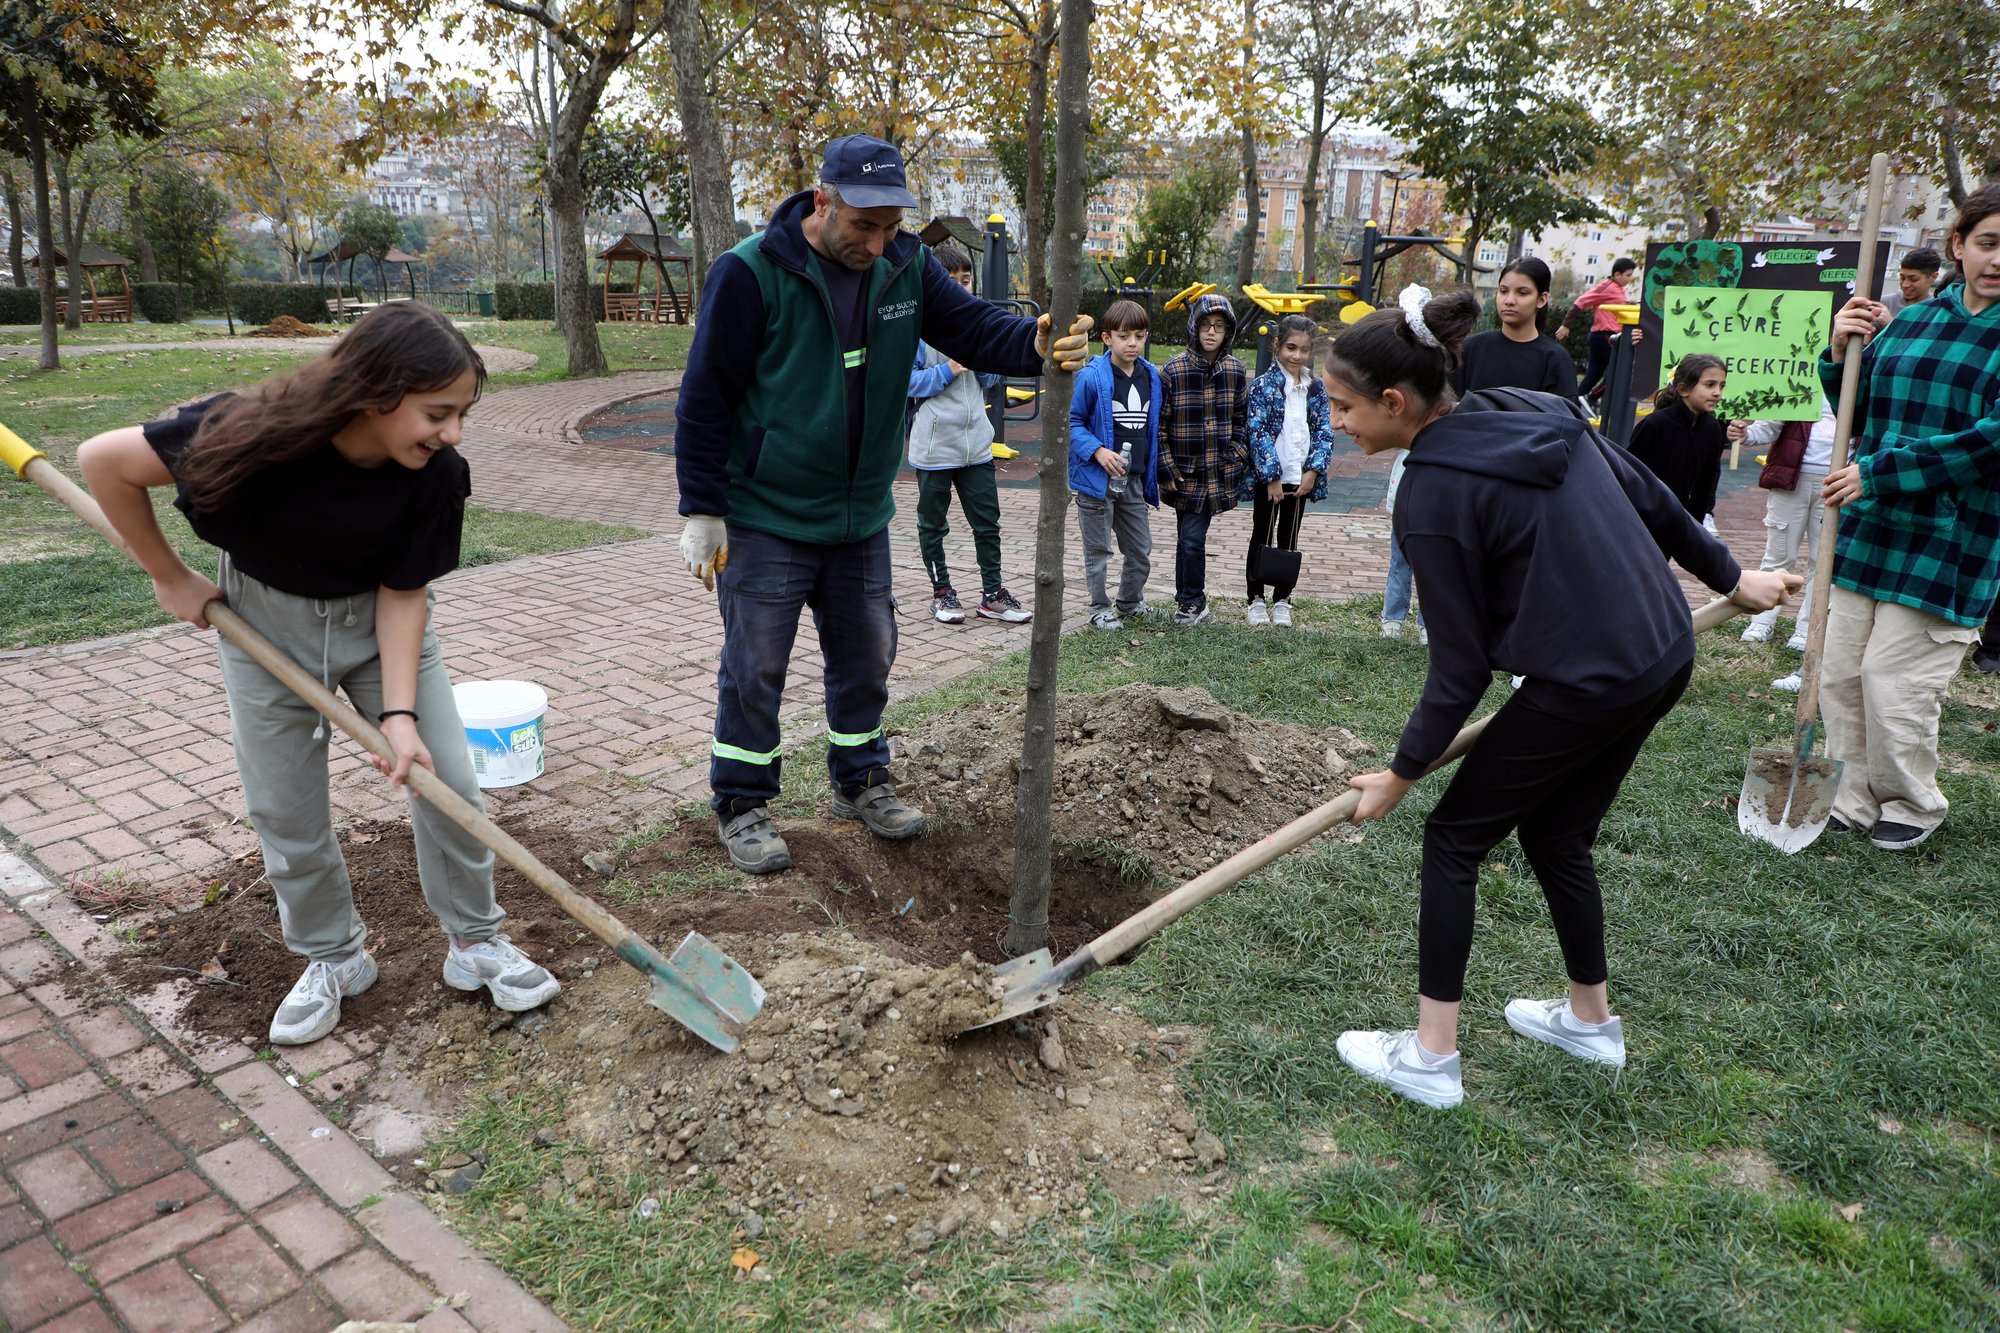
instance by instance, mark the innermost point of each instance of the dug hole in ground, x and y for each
(853, 1112)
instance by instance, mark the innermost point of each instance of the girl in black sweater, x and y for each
(1682, 440)
(1517, 355)
(1538, 544)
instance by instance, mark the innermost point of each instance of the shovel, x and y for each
(1788, 794)
(1033, 980)
(700, 987)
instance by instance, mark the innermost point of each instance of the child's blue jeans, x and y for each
(1396, 598)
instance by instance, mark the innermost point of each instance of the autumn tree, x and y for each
(1179, 216)
(374, 230)
(1475, 111)
(184, 216)
(279, 155)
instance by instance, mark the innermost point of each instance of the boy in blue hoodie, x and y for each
(1114, 432)
(951, 447)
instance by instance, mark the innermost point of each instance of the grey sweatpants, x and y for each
(1127, 519)
(283, 766)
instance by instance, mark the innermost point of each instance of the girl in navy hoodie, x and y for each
(1537, 544)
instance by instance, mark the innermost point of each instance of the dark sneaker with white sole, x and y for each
(1399, 1063)
(886, 814)
(1003, 605)
(752, 841)
(1553, 1022)
(945, 608)
(1898, 837)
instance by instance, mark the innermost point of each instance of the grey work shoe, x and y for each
(754, 845)
(516, 982)
(886, 814)
(312, 1008)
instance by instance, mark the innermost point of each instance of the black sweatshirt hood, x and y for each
(1530, 450)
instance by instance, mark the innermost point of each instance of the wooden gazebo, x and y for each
(340, 306)
(99, 307)
(666, 304)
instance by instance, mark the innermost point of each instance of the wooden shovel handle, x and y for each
(1843, 430)
(33, 467)
(1146, 923)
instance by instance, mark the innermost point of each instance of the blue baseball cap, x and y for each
(867, 172)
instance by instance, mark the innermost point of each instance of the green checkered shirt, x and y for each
(1926, 532)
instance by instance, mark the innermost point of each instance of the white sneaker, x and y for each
(312, 1008)
(1424, 634)
(1709, 524)
(1392, 629)
(1797, 643)
(1105, 620)
(515, 981)
(1551, 1021)
(1259, 613)
(1281, 614)
(1395, 1060)
(1789, 684)
(1756, 632)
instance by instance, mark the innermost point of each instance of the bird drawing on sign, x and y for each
(1761, 260)
(1823, 258)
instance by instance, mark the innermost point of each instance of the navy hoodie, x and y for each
(1540, 550)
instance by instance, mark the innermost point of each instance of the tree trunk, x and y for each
(711, 199)
(1034, 123)
(1028, 912)
(45, 227)
(142, 249)
(577, 319)
(1954, 166)
(1246, 254)
(1475, 232)
(73, 266)
(1711, 222)
(16, 255)
(1309, 197)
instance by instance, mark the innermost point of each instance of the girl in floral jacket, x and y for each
(1291, 442)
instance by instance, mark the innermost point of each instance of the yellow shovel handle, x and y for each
(17, 453)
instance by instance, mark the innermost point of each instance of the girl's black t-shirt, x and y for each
(318, 526)
(1492, 360)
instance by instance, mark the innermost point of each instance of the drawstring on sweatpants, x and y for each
(324, 610)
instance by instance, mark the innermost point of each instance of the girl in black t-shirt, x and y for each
(1517, 355)
(336, 493)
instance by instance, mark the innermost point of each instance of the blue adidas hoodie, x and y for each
(1538, 545)
(1090, 427)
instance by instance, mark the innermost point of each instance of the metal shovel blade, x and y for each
(701, 988)
(1787, 798)
(1029, 983)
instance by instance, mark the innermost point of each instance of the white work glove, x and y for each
(705, 547)
(1071, 350)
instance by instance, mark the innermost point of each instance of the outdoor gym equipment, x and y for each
(1788, 795)
(700, 987)
(1616, 417)
(1033, 980)
(1363, 290)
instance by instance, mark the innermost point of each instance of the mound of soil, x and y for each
(849, 1113)
(1167, 776)
(286, 326)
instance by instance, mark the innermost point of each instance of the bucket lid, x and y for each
(499, 701)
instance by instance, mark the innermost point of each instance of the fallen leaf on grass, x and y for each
(746, 1258)
(1889, 1125)
(1852, 1212)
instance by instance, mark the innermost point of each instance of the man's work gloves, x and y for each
(1071, 350)
(705, 547)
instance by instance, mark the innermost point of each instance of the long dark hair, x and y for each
(1382, 352)
(391, 352)
(1980, 205)
(1686, 375)
(1537, 273)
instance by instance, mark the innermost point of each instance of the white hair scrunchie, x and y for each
(1412, 301)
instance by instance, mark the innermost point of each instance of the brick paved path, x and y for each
(115, 758)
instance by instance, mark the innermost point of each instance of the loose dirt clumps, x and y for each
(286, 326)
(850, 1112)
(1167, 775)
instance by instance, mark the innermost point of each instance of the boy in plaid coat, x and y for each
(1204, 444)
(1917, 566)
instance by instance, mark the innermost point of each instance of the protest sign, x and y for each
(1768, 342)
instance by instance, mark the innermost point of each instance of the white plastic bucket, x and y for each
(503, 729)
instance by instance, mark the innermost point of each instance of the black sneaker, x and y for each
(1898, 837)
(1835, 824)
(1987, 662)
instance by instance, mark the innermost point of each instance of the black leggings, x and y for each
(1600, 361)
(1286, 515)
(1549, 771)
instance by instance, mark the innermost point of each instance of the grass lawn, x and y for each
(58, 582)
(626, 346)
(1804, 1136)
(139, 331)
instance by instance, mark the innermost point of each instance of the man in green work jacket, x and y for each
(789, 433)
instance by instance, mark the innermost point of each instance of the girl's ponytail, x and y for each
(1419, 350)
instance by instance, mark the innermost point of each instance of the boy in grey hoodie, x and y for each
(951, 446)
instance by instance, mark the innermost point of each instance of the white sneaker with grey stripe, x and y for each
(1398, 1062)
(1553, 1022)
(514, 980)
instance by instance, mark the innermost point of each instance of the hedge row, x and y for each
(20, 305)
(258, 303)
(163, 302)
(524, 300)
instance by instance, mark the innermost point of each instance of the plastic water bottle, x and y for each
(1116, 486)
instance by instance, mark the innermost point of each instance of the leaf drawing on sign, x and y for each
(1741, 298)
(1693, 330)
(1701, 306)
(1680, 307)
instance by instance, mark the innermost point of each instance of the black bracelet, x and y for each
(388, 713)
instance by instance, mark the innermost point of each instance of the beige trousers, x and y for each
(1882, 686)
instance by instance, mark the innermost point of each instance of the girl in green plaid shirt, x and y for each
(1917, 564)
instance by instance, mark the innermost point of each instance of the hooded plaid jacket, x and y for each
(1926, 531)
(1204, 420)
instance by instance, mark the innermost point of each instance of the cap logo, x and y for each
(867, 167)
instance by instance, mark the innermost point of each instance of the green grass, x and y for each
(1827, 1025)
(626, 347)
(30, 335)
